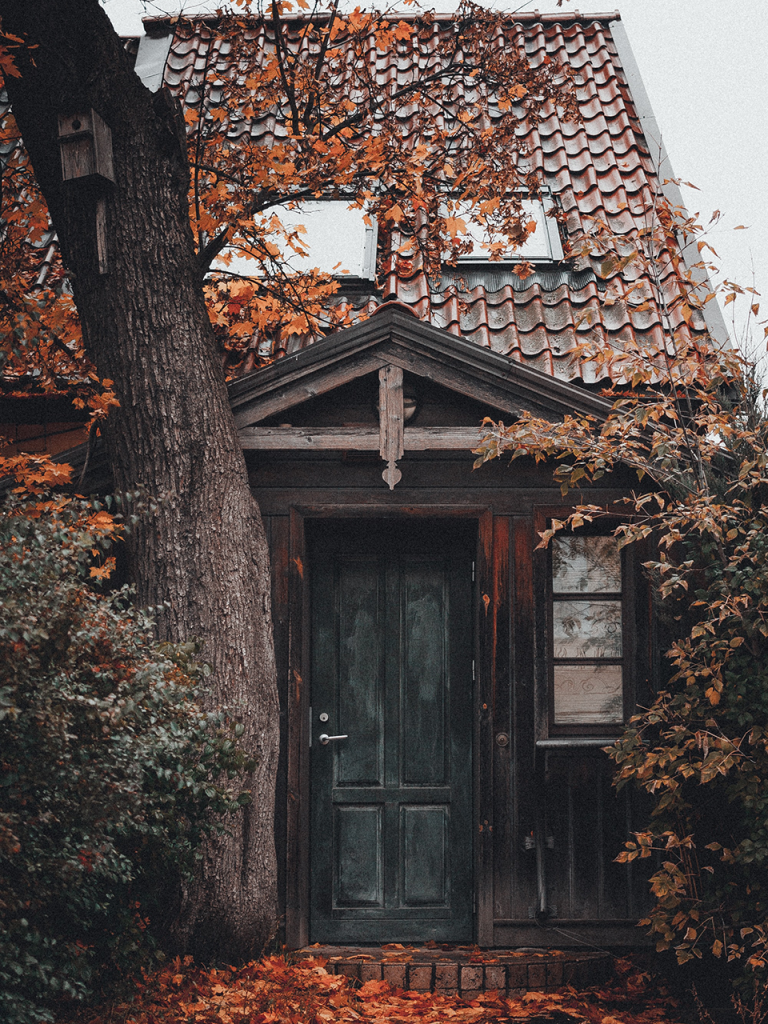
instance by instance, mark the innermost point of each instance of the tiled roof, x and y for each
(600, 167)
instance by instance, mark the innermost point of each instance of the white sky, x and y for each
(705, 69)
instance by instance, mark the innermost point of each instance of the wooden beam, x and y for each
(275, 394)
(446, 439)
(365, 439)
(391, 421)
(361, 439)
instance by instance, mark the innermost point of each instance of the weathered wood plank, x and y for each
(357, 439)
(504, 832)
(526, 796)
(447, 439)
(102, 251)
(277, 396)
(509, 934)
(484, 732)
(391, 421)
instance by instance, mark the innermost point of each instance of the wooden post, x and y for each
(391, 421)
(101, 235)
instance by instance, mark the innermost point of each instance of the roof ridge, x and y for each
(157, 21)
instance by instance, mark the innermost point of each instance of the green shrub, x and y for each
(110, 772)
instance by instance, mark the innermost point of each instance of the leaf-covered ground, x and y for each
(277, 991)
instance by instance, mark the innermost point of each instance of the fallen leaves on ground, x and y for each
(276, 991)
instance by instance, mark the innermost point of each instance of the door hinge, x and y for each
(473, 670)
(473, 572)
(310, 725)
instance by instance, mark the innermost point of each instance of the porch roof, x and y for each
(395, 336)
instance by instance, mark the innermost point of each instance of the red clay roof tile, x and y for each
(598, 168)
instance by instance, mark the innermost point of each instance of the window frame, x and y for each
(548, 728)
(550, 231)
(307, 213)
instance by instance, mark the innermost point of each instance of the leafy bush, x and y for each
(700, 750)
(110, 772)
(689, 418)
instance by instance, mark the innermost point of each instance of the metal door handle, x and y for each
(325, 738)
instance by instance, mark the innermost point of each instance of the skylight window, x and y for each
(337, 239)
(542, 246)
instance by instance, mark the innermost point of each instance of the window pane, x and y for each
(585, 565)
(587, 629)
(337, 239)
(543, 245)
(588, 695)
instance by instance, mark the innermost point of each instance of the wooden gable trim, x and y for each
(393, 337)
(357, 439)
(300, 384)
(391, 421)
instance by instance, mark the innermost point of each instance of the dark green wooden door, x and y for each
(391, 843)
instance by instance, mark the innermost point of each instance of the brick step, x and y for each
(460, 970)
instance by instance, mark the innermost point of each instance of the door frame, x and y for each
(298, 690)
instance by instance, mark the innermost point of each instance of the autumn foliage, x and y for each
(41, 347)
(278, 991)
(420, 153)
(289, 105)
(689, 419)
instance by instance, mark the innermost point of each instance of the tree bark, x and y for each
(201, 559)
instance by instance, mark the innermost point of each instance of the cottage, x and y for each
(446, 685)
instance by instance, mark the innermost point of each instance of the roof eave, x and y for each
(393, 335)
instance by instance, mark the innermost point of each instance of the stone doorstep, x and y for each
(456, 971)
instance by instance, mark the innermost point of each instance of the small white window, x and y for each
(586, 631)
(337, 239)
(542, 246)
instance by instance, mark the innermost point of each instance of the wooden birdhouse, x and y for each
(85, 143)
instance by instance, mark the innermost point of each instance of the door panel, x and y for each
(425, 856)
(391, 841)
(358, 875)
(359, 681)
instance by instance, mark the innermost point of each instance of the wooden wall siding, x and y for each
(517, 789)
(502, 738)
(524, 796)
(484, 654)
(286, 551)
(584, 827)
(587, 822)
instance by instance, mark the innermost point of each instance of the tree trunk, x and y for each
(201, 559)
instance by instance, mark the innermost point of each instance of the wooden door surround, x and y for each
(298, 821)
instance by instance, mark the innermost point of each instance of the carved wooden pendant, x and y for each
(391, 421)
